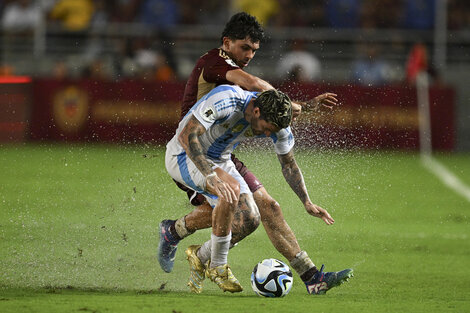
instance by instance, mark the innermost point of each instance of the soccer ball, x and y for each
(271, 278)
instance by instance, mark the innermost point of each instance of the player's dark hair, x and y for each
(275, 107)
(242, 25)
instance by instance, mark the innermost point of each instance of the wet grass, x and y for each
(78, 233)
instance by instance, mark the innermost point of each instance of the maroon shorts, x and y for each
(253, 183)
(250, 178)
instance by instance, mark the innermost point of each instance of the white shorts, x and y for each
(183, 170)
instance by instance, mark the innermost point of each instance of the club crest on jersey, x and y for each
(230, 62)
(249, 133)
(237, 128)
(208, 114)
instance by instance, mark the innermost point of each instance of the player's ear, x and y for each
(226, 42)
(256, 112)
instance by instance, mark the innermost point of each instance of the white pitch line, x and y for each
(446, 176)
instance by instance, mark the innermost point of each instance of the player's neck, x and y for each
(249, 110)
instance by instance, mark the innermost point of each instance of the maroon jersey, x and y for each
(208, 73)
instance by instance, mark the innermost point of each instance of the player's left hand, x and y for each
(319, 212)
(326, 100)
(296, 110)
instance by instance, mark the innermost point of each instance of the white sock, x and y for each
(204, 253)
(219, 249)
(301, 263)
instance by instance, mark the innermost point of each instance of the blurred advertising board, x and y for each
(136, 111)
(15, 105)
(125, 111)
(374, 117)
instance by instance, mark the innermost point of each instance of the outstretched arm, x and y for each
(247, 81)
(326, 100)
(250, 82)
(295, 179)
(189, 140)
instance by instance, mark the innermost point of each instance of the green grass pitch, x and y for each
(78, 233)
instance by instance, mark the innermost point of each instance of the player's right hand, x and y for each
(221, 188)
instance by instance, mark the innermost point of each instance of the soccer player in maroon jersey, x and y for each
(224, 65)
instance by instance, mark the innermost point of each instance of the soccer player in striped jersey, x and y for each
(224, 65)
(199, 157)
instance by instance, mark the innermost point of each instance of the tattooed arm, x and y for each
(326, 100)
(295, 179)
(189, 140)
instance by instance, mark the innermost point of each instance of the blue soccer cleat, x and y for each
(322, 282)
(167, 246)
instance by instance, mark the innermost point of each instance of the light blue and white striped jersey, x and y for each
(221, 112)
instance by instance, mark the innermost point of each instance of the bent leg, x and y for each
(222, 214)
(246, 218)
(245, 221)
(279, 232)
(282, 236)
(199, 218)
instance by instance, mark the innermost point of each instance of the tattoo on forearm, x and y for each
(294, 176)
(194, 145)
(194, 148)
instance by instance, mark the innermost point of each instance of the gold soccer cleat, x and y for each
(196, 269)
(222, 275)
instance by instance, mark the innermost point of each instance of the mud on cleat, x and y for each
(167, 246)
(322, 282)
(222, 275)
(196, 269)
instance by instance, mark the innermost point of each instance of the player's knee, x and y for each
(252, 219)
(271, 208)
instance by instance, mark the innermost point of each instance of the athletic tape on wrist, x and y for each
(213, 174)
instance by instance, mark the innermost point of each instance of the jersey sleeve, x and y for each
(216, 68)
(218, 104)
(283, 141)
